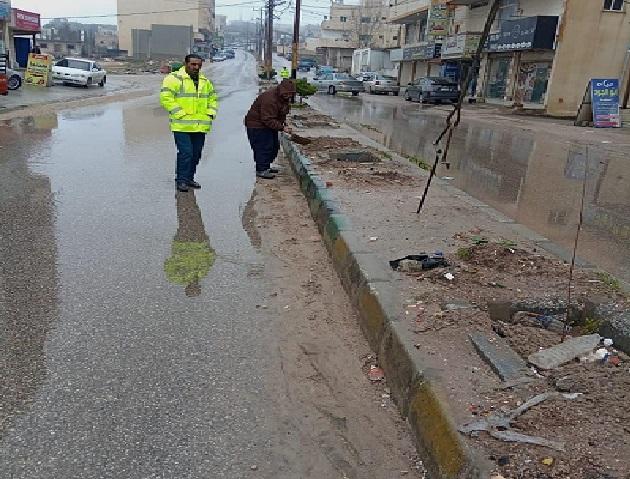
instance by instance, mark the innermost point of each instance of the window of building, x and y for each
(343, 19)
(366, 20)
(613, 5)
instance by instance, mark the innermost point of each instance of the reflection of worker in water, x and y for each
(192, 257)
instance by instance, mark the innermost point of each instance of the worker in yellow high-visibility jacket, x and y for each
(191, 102)
(285, 73)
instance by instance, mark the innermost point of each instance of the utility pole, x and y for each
(269, 46)
(296, 40)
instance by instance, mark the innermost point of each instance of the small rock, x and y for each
(254, 467)
(608, 342)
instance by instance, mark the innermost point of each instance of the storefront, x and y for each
(25, 26)
(417, 61)
(457, 54)
(518, 61)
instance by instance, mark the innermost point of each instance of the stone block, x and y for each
(498, 354)
(562, 353)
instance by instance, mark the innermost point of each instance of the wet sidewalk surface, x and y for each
(532, 172)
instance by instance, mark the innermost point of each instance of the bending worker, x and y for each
(266, 117)
(191, 102)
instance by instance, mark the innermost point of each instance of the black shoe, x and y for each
(183, 187)
(267, 175)
(194, 184)
(273, 170)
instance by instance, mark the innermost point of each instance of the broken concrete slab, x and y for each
(503, 360)
(562, 353)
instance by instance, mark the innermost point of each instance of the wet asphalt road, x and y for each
(130, 341)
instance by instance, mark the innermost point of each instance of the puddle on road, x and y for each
(534, 178)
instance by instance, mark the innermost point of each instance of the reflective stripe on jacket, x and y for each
(191, 110)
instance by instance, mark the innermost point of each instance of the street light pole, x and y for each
(296, 40)
(269, 49)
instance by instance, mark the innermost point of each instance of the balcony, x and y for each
(408, 12)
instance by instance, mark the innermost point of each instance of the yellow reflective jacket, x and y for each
(191, 110)
(284, 73)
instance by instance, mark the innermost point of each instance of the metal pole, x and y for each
(269, 50)
(296, 40)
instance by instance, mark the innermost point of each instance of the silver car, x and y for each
(382, 84)
(334, 82)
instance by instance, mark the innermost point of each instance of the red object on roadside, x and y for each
(329, 184)
(376, 374)
(4, 84)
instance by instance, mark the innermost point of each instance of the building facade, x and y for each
(339, 36)
(199, 15)
(5, 20)
(541, 54)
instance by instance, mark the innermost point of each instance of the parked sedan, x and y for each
(432, 89)
(77, 71)
(334, 82)
(382, 84)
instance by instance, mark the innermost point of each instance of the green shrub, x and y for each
(304, 88)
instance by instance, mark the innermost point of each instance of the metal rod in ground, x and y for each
(575, 247)
(295, 50)
(450, 125)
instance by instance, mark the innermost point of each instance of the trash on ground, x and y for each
(376, 374)
(449, 276)
(608, 342)
(548, 461)
(418, 262)
(373, 238)
(498, 424)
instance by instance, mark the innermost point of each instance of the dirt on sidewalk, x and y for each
(490, 259)
(349, 427)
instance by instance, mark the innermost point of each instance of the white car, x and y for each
(77, 71)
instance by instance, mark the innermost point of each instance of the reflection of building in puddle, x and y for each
(28, 274)
(551, 197)
(144, 125)
(192, 256)
(29, 125)
(82, 114)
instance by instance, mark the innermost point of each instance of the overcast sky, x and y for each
(71, 8)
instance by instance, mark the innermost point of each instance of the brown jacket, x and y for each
(270, 110)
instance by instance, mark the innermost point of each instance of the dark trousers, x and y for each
(189, 148)
(265, 145)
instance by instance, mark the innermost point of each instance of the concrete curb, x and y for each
(369, 285)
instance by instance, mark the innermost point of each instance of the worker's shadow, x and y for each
(192, 256)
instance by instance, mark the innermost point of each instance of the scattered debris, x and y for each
(300, 140)
(449, 276)
(548, 461)
(608, 342)
(498, 425)
(418, 262)
(501, 358)
(376, 374)
(373, 238)
(562, 353)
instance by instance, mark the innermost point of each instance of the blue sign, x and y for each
(605, 101)
(5, 10)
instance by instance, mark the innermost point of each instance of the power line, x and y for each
(251, 2)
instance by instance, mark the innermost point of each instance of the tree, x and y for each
(304, 88)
